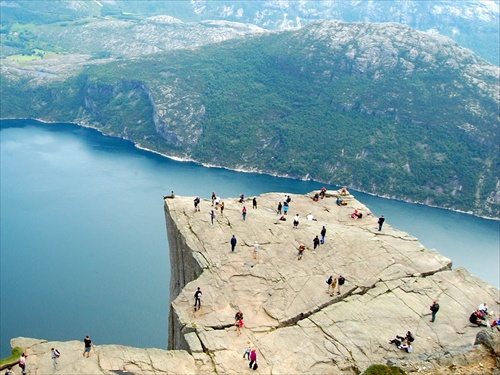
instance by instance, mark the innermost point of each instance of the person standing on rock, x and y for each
(285, 208)
(55, 355)
(197, 299)
(434, 309)
(234, 241)
(221, 208)
(254, 203)
(323, 234)
(214, 197)
(278, 211)
(212, 217)
(316, 242)
(88, 346)
(197, 204)
(296, 219)
(255, 250)
(301, 249)
(244, 213)
(381, 220)
(329, 281)
(341, 281)
(22, 362)
(248, 350)
(253, 359)
(334, 284)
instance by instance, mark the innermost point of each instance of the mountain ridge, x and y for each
(382, 108)
(472, 24)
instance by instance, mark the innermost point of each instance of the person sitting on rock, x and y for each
(397, 341)
(171, 196)
(339, 201)
(400, 339)
(474, 319)
(357, 214)
(406, 347)
(316, 197)
(484, 309)
(409, 337)
(311, 217)
(344, 191)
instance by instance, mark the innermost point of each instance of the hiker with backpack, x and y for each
(253, 360)
(341, 281)
(55, 356)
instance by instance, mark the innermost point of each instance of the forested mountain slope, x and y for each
(378, 107)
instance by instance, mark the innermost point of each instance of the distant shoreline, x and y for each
(207, 165)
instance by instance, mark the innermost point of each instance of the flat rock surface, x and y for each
(295, 325)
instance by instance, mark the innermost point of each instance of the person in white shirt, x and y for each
(406, 347)
(483, 308)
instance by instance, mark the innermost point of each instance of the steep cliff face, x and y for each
(186, 265)
(293, 322)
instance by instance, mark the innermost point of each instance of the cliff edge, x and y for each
(295, 325)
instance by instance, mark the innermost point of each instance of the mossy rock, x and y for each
(383, 370)
(13, 359)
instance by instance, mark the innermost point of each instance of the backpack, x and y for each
(255, 366)
(341, 281)
(57, 353)
(411, 338)
(329, 281)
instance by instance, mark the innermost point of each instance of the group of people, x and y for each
(284, 206)
(404, 343)
(54, 354)
(334, 283)
(480, 316)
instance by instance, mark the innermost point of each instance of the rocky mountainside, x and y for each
(472, 24)
(382, 108)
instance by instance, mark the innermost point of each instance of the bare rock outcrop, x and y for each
(295, 325)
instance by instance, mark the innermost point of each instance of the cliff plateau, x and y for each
(296, 326)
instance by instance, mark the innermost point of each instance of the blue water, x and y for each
(83, 242)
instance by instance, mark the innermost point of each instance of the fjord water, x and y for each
(83, 242)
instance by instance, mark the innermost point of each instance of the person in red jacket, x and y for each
(253, 359)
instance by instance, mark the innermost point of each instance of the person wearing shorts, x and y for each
(88, 346)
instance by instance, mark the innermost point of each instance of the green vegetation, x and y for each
(6, 362)
(383, 370)
(258, 103)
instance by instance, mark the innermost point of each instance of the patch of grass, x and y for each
(16, 353)
(383, 370)
(24, 58)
